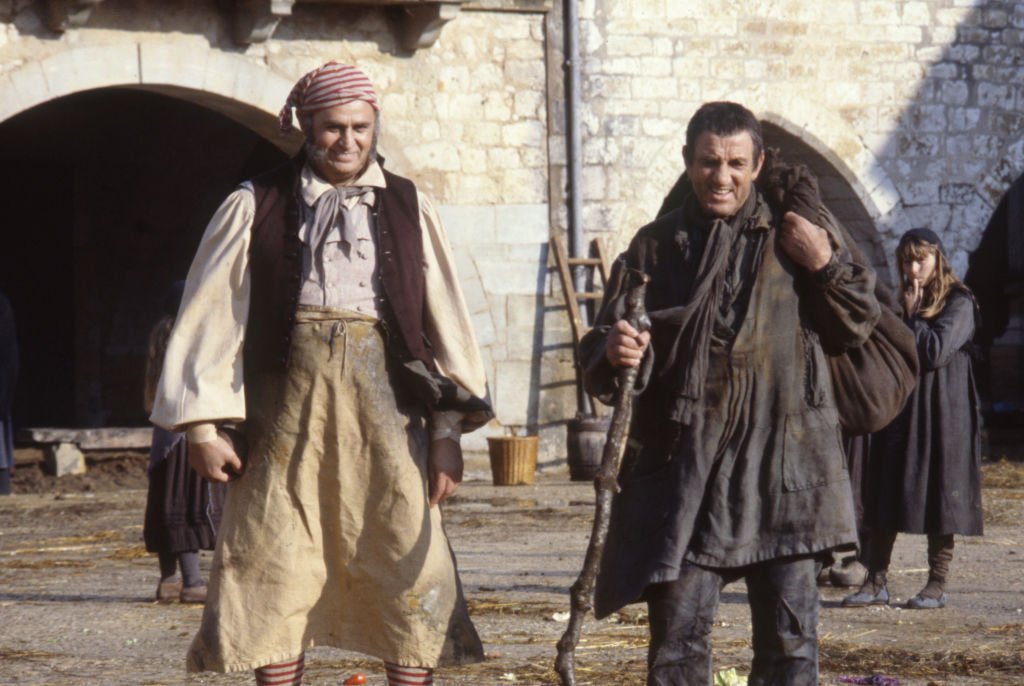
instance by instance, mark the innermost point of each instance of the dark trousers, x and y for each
(783, 597)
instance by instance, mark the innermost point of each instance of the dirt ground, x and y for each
(76, 593)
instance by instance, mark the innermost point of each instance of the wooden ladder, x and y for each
(595, 265)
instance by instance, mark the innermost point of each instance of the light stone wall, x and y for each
(918, 104)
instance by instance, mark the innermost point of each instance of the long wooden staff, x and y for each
(606, 484)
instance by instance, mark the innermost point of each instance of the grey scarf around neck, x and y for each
(688, 326)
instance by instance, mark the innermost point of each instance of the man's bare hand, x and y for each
(625, 346)
(806, 243)
(214, 460)
(444, 469)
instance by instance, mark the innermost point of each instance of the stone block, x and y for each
(513, 387)
(503, 158)
(483, 327)
(478, 187)
(523, 311)
(439, 155)
(917, 13)
(520, 186)
(472, 290)
(523, 223)
(61, 459)
(523, 343)
(920, 193)
(91, 67)
(881, 12)
(13, 101)
(629, 46)
(498, 107)
(507, 278)
(523, 134)
(473, 161)
(468, 224)
(529, 105)
(185, 64)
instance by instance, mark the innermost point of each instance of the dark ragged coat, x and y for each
(761, 472)
(926, 476)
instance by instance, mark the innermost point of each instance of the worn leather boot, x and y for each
(940, 554)
(872, 592)
(193, 594)
(168, 591)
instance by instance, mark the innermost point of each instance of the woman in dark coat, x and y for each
(928, 477)
(182, 510)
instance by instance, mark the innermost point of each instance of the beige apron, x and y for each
(328, 538)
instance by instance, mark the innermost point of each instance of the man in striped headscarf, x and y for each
(322, 311)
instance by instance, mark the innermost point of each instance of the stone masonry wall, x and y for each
(918, 104)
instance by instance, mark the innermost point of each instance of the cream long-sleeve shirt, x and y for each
(202, 379)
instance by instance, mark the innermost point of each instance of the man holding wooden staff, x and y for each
(734, 467)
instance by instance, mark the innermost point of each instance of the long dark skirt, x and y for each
(182, 510)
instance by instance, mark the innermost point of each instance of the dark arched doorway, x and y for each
(836, 193)
(105, 195)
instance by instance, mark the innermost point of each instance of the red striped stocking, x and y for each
(408, 676)
(282, 673)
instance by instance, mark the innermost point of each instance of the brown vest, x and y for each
(275, 267)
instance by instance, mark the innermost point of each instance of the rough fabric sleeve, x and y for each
(202, 374)
(446, 320)
(940, 338)
(600, 377)
(841, 300)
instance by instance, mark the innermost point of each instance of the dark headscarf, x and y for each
(922, 235)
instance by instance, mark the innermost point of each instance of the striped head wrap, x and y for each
(332, 84)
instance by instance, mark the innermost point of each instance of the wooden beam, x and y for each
(420, 24)
(62, 15)
(255, 21)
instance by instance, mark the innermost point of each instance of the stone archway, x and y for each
(238, 88)
(109, 181)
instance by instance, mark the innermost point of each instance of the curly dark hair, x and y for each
(723, 118)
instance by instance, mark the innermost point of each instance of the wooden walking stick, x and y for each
(606, 484)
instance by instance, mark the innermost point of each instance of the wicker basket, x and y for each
(513, 459)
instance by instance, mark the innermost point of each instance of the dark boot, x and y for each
(940, 554)
(877, 554)
(872, 592)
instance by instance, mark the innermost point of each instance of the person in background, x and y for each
(323, 309)
(182, 509)
(928, 476)
(8, 377)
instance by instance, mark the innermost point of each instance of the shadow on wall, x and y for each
(963, 126)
